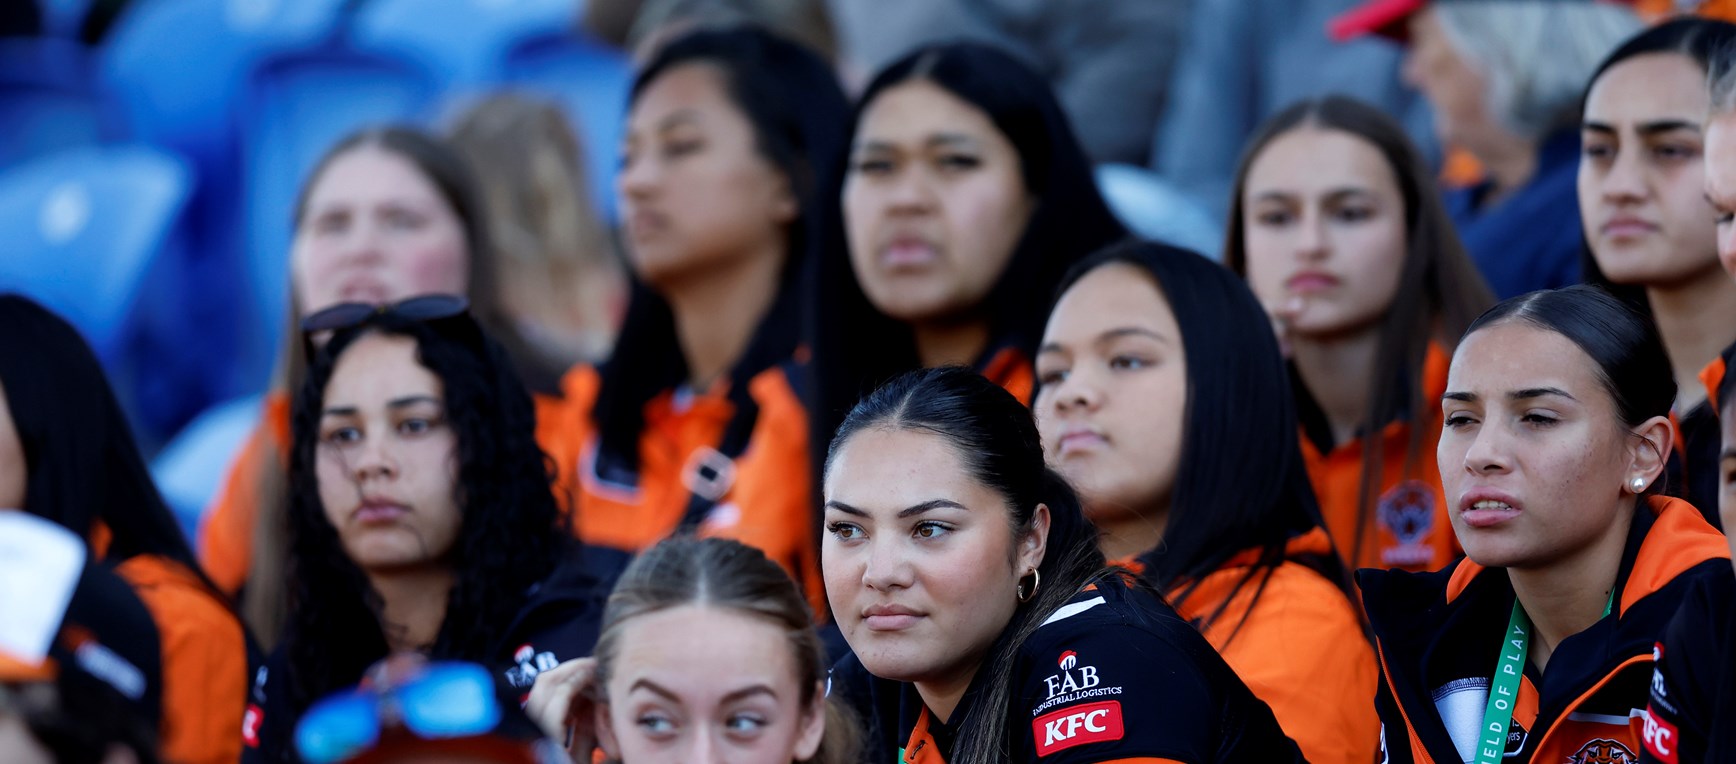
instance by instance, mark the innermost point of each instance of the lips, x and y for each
(379, 512)
(1077, 440)
(643, 223)
(1627, 227)
(890, 617)
(1308, 282)
(1484, 508)
(908, 251)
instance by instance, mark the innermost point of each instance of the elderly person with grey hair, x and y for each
(1504, 78)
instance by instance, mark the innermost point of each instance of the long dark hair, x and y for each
(728, 575)
(996, 439)
(82, 466)
(1239, 411)
(855, 346)
(512, 533)
(1621, 341)
(263, 601)
(1439, 290)
(798, 112)
(1700, 39)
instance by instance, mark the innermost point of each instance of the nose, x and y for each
(637, 178)
(1078, 391)
(702, 747)
(911, 192)
(1624, 182)
(371, 459)
(1311, 239)
(1488, 453)
(886, 568)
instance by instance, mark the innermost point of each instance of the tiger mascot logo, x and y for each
(1603, 751)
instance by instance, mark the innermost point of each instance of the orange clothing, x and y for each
(1713, 375)
(226, 533)
(1408, 527)
(1302, 651)
(1010, 369)
(767, 504)
(204, 661)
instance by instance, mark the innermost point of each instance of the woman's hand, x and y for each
(1282, 314)
(563, 703)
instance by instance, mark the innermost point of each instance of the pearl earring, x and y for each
(1639, 484)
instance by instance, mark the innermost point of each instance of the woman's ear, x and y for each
(813, 729)
(1034, 542)
(606, 733)
(1649, 450)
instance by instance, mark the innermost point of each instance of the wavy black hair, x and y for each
(855, 346)
(512, 536)
(798, 113)
(1701, 40)
(83, 468)
(1239, 411)
(996, 438)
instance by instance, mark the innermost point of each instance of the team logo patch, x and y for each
(1603, 751)
(1407, 511)
(1659, 737)
(1068, 660)
(530, 663)
(1077, 725)
(1076, 681)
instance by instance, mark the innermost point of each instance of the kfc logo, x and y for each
(1659, 737)
(1069, 727)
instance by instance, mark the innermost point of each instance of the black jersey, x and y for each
(1112, 676)
(1692, 714)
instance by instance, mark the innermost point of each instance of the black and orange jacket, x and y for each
(205, 661)
(226, 531)
(1439, 636)
(1010, 368)
(1301, 648)
(1408, 526)
(1692, 714)
(1113, 676)
(559, 621)
(767, 504)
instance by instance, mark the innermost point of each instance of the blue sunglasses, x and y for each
(448, 700)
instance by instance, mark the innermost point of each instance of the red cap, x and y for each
(1382, 17)
(1387, 19)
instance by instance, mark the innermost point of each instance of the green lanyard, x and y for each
(1504, 691)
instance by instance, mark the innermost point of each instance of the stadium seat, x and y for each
(590, 81)
(463, 42)
(1152, 208)
(191, 467)
(48, 99)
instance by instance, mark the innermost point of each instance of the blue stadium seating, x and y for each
(463, 42)
(48, 99)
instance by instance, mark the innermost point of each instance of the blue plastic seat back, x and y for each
(63, 18)
(590, 82)
(48, 99)
(302, 103)
(175, 69)
(83, 229)
(463, 42)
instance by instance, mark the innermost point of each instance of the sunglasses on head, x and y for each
(428, 307)
(444, 701)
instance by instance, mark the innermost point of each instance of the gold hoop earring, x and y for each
(1024, 594)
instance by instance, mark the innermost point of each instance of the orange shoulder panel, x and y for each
(1010, 369)
(1713, 375)
(204, 662)
(226, 531)
(1302, 651)
(1679, 539)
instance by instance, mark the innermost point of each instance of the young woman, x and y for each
(984, 623)
(1539, 646)
(388, 213)
(420, 515)
(966, 198)
(707, 648)
(67, 455)
(1648, 225)
(1159, 381)
(1692, 713)
(1334, 218)
(694, 423)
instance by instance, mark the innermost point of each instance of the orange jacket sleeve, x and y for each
(204, 662)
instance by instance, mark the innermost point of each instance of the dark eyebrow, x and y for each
(747, 692)
(1116, 333)
(1461, 397)
(1537, 392)
(411, 400)
(947, 139)
(682, 117)
(1597, 127)
(1339, 193)
(931, 504)
(341, 411)
(654, 687)
(1666, 125)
